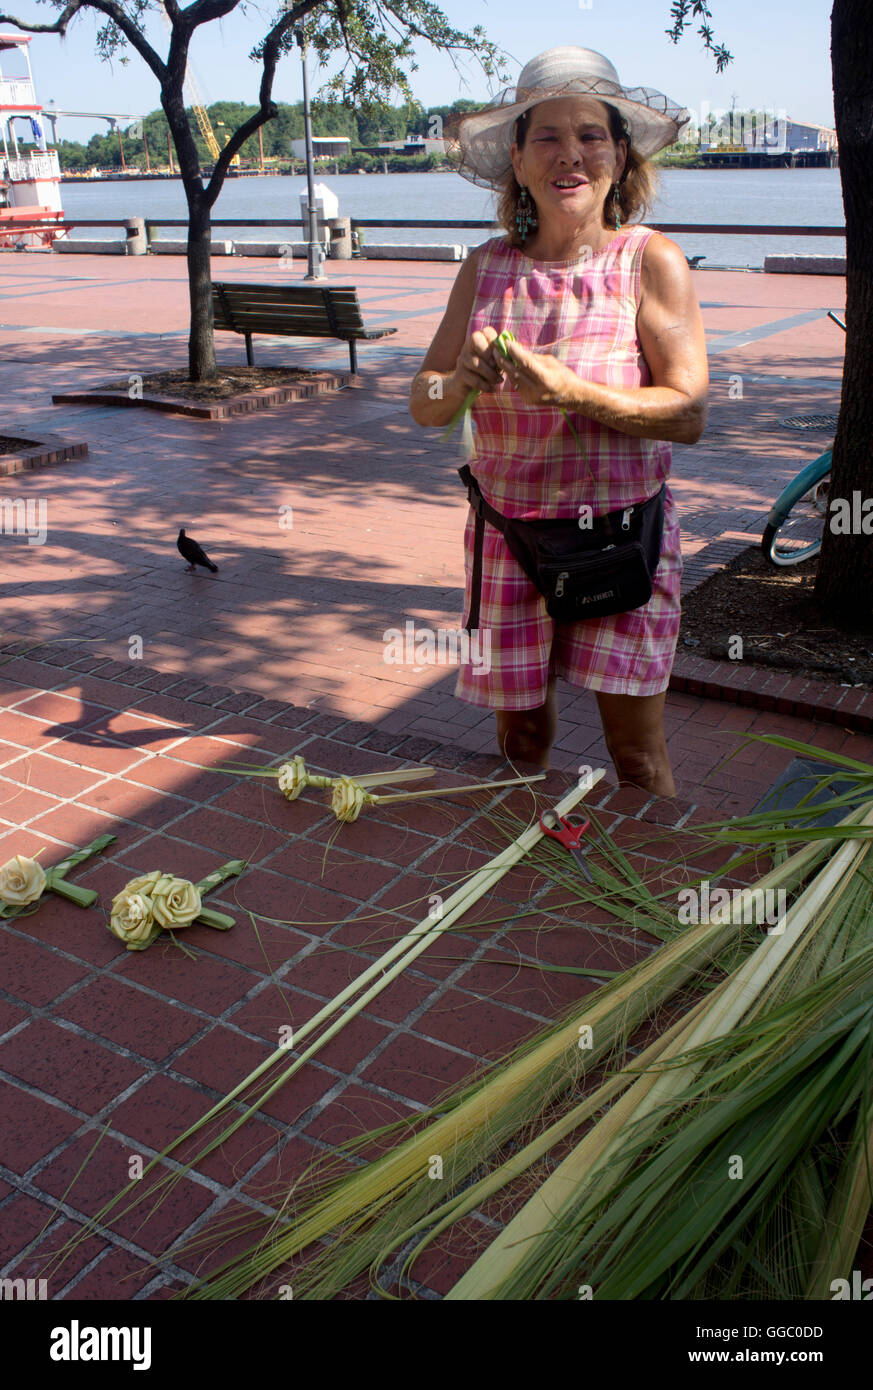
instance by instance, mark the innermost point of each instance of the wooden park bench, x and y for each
(293, 311)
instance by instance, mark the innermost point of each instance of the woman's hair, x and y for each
(637, 184)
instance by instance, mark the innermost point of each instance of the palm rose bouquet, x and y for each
(156, 902)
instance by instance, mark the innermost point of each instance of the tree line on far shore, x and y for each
(376, 126)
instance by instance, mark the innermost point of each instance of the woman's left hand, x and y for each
(540, 378)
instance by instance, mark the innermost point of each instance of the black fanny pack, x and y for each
(581, 571)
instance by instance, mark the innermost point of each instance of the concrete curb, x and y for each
(180, 248)
(804, 265)
(112, 247)
(437, 252)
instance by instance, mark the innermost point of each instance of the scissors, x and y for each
(563, 830)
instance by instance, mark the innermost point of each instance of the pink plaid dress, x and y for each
(528, 465)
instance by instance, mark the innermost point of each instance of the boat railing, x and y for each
(30, 167)
(16, 91)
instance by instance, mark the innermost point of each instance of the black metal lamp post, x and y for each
(314, 251)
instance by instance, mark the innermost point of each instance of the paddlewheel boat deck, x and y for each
(31, 213)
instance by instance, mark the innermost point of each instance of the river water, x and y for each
(737, 197)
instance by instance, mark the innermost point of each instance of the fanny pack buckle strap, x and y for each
(474, 496)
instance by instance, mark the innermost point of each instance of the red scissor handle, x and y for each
(562, 829)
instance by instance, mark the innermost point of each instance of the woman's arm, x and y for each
(670, 328)
(453, 364)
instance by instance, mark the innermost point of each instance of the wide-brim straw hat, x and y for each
(485, 136)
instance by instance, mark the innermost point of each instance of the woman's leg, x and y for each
(632, 724)
(634, 730)
(527, 735)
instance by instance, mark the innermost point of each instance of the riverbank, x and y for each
(798, 159)
(162, 175)
(141, 176)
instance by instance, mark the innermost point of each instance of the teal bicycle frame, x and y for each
(807, 479)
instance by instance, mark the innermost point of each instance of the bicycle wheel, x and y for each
(794, 527)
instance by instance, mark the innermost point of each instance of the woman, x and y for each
(609, 354)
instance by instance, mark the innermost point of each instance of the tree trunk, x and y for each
(201, 339)
(845, 574)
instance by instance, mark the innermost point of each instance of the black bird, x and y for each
(193, 553)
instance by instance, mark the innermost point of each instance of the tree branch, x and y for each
(480, 46)
(289, 20)
(135, 37)
(202, 11)
(59, 26)
(271, 52)
(235, 143)
(681, 13)
(342, 16)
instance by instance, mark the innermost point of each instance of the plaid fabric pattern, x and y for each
(528, 465)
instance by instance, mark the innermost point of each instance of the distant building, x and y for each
(422, 144)
(413, 144)
(334, 146)
(811, 137)
(789, 135)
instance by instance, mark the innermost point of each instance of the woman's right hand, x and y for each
(478, 366)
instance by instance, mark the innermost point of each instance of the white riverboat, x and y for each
(31, 213)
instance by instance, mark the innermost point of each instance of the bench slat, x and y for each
(277, 306)
(268, 302)
(282, 314)
(289, 298)
(303, 331)
(251, 315)
(261, 323)
(291, 293)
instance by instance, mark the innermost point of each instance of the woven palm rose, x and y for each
(292, 777)
(22, 881)
(176, 902)
(348, 798)
(131, 918)
(144, 883)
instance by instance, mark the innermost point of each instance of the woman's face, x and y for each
(569, 161)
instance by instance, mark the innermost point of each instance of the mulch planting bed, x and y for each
(230, 382)
(774, 610)
(235, 391)
(10, 445)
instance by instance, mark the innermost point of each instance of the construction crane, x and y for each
(200, 112)
(202, 115)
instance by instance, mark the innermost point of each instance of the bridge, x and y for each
(111, 118)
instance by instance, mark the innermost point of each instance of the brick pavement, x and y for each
(282, 650)
(94, 1039)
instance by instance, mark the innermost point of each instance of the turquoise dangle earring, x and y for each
(616, 207)
(526, 219)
